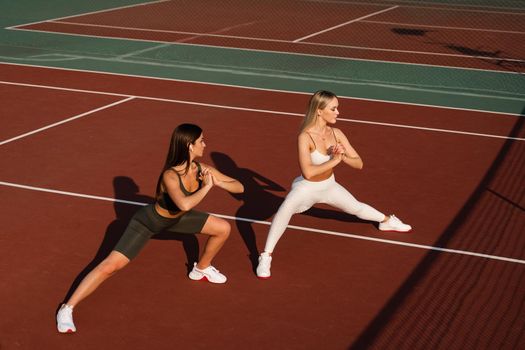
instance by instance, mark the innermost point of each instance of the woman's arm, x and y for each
(223, 181)
(308, 169)
(351, 157)
(183, 202)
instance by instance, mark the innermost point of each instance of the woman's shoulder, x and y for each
(170, 173)
(304, 134)
(338, 132)
(305, 141)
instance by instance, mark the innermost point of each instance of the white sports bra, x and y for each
(316, 156)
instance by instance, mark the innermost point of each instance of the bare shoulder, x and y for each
(170, 174)
(170, 179)
(339, 133)
(305, 142)
(304, 136)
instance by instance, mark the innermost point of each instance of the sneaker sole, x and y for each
(205, 279)
(396, 231)
(263, 278)
(68, 331)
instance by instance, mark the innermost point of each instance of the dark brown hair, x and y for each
(183, 136)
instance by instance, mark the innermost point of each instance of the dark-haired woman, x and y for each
(183, 184)
(321, 149)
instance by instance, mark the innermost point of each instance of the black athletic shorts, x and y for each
(147, 222)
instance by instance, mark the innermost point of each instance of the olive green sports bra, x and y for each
(165, 200)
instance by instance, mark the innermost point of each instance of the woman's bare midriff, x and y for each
(165, 213)
(321, 177)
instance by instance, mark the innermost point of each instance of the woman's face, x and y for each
(198, 146)
(330, 112)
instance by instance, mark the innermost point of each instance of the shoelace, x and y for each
(208, 269)
(395, 219)
(213, 269)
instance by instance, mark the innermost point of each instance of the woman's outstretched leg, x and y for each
(114, 262)
(298, 200)
(339, 197)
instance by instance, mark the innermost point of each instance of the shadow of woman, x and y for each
(128, 200)
(260, 204)
(257, 202)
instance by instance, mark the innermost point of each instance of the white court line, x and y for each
(455, 91)
(427, 53)
(308, 43)
(434, 129)
(73, 194)
(356, 47)
(193, 36)
(445, 27)
(462, 7)
(88, 13)
(344, 24)
(301, 228)
(235, 87)
(415, 4)
(229, 86)
(290, 53)
(266, 111)
(409, 5)
(65, 120)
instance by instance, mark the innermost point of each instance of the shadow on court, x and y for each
(433, 300)
(259, 203)
(494, 57)
(126, 189)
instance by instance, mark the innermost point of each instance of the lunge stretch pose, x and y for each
(321, 149)
(183, 184)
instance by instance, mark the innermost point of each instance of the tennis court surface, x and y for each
(431, 96)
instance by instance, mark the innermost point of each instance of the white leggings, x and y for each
(306, 193)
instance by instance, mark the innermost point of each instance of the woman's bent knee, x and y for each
(224, 229)
(217, 227)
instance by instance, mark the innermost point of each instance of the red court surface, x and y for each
(453, 36)
(337, 282)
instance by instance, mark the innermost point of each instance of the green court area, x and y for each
(488, 90)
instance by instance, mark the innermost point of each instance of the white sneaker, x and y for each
(394, 224)
(265, 263)
(65, 319)
(210, 274)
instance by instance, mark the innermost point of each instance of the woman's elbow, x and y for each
(184, 206)
(234, 187)
(240, 188)
(307, 175)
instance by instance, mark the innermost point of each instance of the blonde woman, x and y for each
(321, 149)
